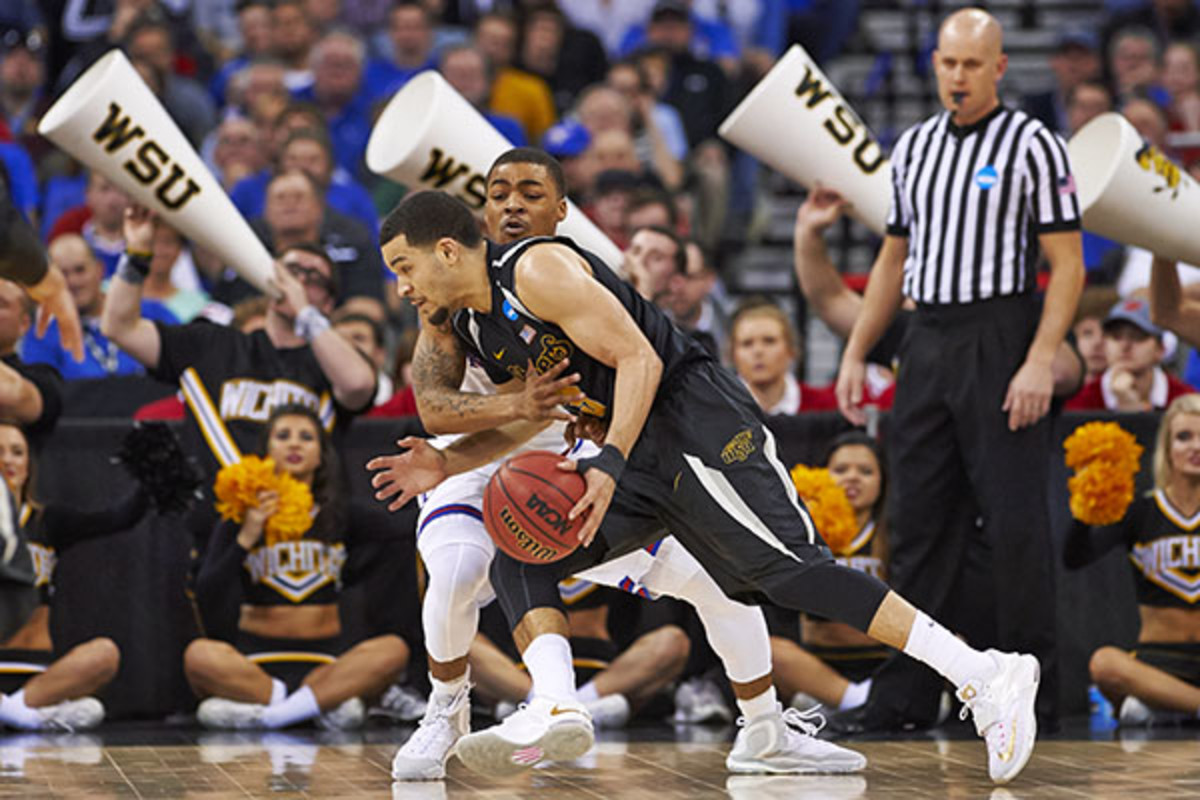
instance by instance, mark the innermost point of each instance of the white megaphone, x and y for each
(1131, 193)
(795, 121)
(111, 121)
(430, 137)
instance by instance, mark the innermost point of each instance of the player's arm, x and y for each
(122, 321)
(20, 398)
(438, 365)
(836, 304)
(880, 303)
(1029, 392)
(1170, 306)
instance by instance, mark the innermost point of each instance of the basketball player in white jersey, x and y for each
(526, 197)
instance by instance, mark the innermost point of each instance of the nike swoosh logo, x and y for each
(499, 354)
(554, 712)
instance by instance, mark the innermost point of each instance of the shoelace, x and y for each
(810, 721)
(425, 736)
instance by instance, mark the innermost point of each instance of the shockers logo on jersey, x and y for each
(739, 447)
(986, 177)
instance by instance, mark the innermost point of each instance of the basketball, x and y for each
(525, 507)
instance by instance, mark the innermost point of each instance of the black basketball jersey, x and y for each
(509, 336)
(231, 381)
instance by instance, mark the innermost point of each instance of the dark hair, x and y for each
(425, 217)
(355, 316)
(312, 248)
(318, 189)
(318, 135)
(150, 20)
(649, 196)
(864, 439)
(326, 484)
(680, 256)
(533, 155)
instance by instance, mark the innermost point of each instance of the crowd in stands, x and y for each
(280, 97)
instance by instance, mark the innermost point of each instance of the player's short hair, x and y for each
(425, 217)
(533, 155)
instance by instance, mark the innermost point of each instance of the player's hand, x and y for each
(586, 427)
(1028, 396)
(289, 289)
(138, 229)
(820, 209)
(546, 392)
(55, 302)
(420, 468)
(595, 501)
(852, 376)
(256, 518)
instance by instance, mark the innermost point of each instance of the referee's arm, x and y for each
(880, 303)
(1029, 391)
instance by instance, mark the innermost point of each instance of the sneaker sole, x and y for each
(490, 754)
(1028, 737)
(758, 767)
(435, 772)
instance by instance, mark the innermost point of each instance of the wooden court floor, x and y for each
(312, 764)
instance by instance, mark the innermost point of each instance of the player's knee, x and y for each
(103, 658)
(1107, 668)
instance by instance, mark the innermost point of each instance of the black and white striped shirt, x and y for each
(972, 201)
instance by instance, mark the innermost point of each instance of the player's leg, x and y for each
(58, 696)
(1158, 676)
(456, 551)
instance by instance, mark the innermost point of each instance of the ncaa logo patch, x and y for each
(986, 177)
(509, 311)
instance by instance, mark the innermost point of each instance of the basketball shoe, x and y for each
(539, 730)
(1002, 707)
(783, 742)
(447, 719)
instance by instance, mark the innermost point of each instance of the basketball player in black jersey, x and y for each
(684, 449)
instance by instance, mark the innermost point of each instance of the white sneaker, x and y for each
(700, 700)
(783, 787)
(1134, 713)
(784, 742)
(220, 713)
(609, 712)
(81, 714)
(399, 703)
(540, 730)
(348, 716)
(1003, 708)
(447, 719)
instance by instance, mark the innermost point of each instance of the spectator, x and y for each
(515, 92)
(238, 152)
(1076, 59)
(410, 32)
(834, 666)
(232, 380)
(23, 90)
(1088, 328)
(468, 71)
(1133, 64)
(259, 92)
(602, 110)
(293, 36)
(568, 141)
(102, 358)
(1153, 683)
(655, 124)
(695, 85)
(567, 58)
(32, 393)
(705, 38)
(254, 23)
(150, 39)
(653, 207)
(608, 20)
(170, 250)
(366, 334)
(18, 179)
(1181, 79)
(653, 256)
(288, 604)
(42, 691)
(338, 89)
(1088, 100)
(295, 213)
(1165, 20)
(1134, 379)
(609, 197)
(98, 220)
(691, 304)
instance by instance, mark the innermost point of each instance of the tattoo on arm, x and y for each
(438, 365)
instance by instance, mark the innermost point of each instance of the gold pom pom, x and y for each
(237, 489)
(1105, 458)
(827, 503)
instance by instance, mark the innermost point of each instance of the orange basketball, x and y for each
(525, 507)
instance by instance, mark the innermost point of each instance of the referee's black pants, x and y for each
(952, 456)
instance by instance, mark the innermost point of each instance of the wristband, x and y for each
(310, 323)
(609, 461)
(133, 267)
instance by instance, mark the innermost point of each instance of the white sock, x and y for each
(958, 662)
(765, 703)
(548, 659)
(855, 695)
(14, 712)
(299, 706)
(588, 694)
(278, 691)
(450, 687)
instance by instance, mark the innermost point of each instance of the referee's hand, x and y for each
(1028, 397)
(851, 378)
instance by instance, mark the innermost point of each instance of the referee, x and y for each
(977, 190)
